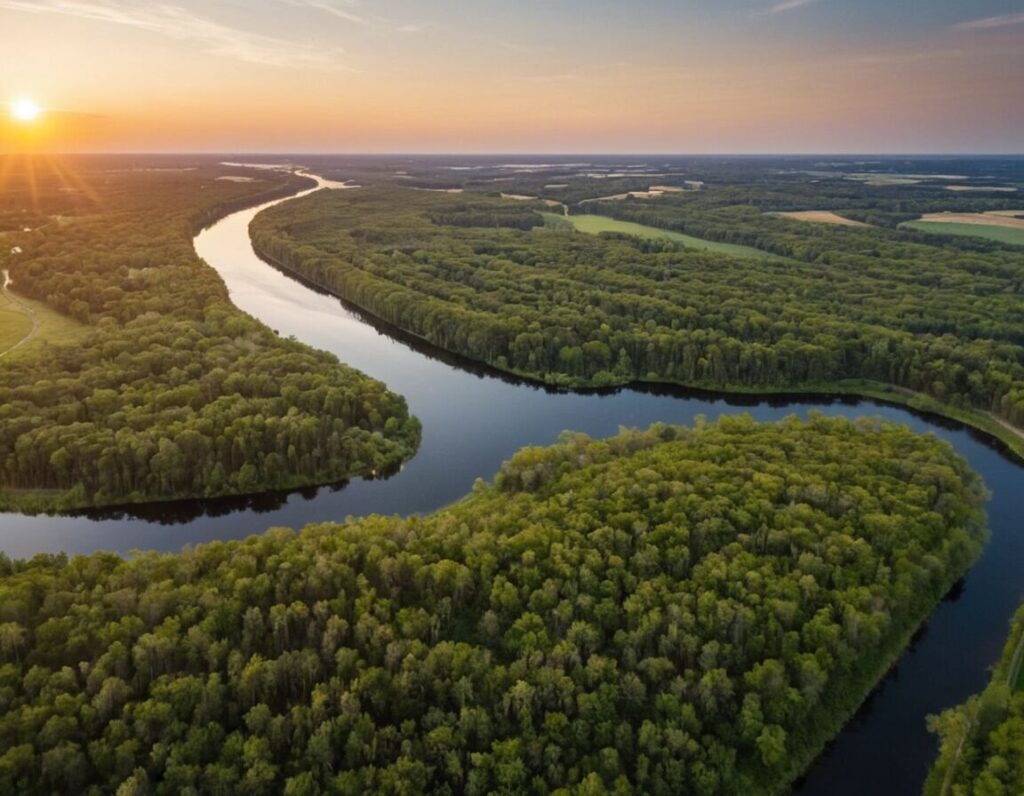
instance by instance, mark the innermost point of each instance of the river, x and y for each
(473, 419)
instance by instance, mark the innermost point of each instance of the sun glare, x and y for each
(24, 110)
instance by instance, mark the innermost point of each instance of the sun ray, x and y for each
(6, 167)
(69, 177)
(30, 179)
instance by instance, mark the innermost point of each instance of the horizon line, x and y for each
(500, 153)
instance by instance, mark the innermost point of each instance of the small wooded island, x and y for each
(679, 610)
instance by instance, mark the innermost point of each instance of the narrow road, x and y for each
(1014, 673)
(1011, 428)
(25, 308)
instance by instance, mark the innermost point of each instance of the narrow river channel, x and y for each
(474, 419)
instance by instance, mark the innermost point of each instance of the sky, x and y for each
(544, 76)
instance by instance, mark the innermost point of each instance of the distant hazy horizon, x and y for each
(524, 154)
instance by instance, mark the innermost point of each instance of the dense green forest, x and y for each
(982, 741)
(174, 392)
(846, 304)
(675, 611)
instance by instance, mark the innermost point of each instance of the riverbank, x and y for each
(984, 726)
(1005, 433)
(870, 676)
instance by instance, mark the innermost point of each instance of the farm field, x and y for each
(15, 323)
(22, 318)
(1013, 219)
(991, 231)
(595, 225)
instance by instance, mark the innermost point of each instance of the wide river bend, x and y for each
(473, 419)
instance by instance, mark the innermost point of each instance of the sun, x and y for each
(25, 110)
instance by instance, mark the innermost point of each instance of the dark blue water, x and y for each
(473, 420)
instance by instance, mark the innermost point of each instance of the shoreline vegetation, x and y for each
(343, 268)
(1011, 437)
(172, 392)
(678, 610)
(980, 741)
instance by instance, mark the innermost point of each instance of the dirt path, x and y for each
(1018, 654)
(1017, 432)
(951, 769)
(27, 310)
(1013, 430)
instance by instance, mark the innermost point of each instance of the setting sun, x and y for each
(25, 110)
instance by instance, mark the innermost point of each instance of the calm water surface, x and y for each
(474, 419)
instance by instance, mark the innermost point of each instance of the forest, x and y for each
(883, 307)
(681, 610)
(174, 392)
(981, 749)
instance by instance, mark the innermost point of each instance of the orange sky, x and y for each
(338, 75)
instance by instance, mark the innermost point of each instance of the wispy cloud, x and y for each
(179, 23)
(991, 22)
(348, 11)
(342, 9)
(789, 5)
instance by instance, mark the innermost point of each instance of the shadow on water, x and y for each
(176, 512)
(866, 712)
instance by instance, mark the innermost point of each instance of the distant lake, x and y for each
(473, 419)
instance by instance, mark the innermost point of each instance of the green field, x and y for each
(15, 323)
(1001, 234)
(594, 225)
(21, 317)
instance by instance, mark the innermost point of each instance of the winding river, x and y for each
(473, 419)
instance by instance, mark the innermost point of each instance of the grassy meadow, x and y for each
(992, 232)
(595, 225)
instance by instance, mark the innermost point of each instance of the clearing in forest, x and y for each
(15, 323)
(595, 225)
(1005, 226)
(24, 323)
